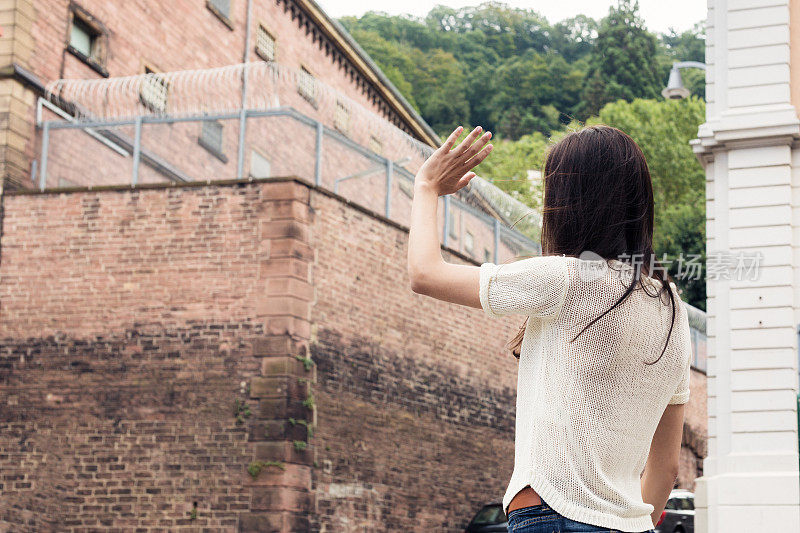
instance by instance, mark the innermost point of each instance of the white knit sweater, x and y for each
(586, 411)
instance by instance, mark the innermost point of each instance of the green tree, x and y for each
(623, 63)
(510, 163)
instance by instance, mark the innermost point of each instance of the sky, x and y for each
(659, 15)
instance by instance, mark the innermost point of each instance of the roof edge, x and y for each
(370, 69)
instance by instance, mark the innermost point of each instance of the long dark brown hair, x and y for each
(598, 197)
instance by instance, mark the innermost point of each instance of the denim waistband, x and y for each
(541, 507)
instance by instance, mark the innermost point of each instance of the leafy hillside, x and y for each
(530, 81)
(514, 72)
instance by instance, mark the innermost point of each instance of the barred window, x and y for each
(265, 44)
(375, 145)
(307, 86)
(341, 121)
(211, 138)
(469, 242)
(153, 91)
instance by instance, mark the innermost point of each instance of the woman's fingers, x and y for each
(465, 180)
(467, 142)
(448, 144)
(480, 156)
(477, 146)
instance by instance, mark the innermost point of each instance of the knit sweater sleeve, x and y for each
(681, 394)
(535, 286)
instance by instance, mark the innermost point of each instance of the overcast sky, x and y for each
(659, 15)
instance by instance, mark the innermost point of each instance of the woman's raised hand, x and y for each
(448, 169)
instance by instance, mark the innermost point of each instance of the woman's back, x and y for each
(587, 410)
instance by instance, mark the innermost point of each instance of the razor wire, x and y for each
(270, 85)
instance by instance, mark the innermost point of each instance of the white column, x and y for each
(748, 146)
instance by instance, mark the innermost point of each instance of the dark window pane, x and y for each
(671, 504)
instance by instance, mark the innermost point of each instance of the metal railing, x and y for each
(151, 128)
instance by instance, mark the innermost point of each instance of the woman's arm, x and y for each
(661, 469)
(444, 172)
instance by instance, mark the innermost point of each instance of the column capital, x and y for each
(766, 126)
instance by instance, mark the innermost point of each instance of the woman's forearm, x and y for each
(424, 249)
(656, 487)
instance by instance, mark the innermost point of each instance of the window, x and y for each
(451, 223)
(87, 39)
(375, 145)
(265, 44)
(153, 91)
(259, 166)
(341, 120)
(487, 255)
(307, 86)
(222, 9)
(469, 242)
(211, 138)
(83, 38)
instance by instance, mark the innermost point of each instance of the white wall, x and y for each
(749, 149)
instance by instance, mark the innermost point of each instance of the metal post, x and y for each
(45, 144)
(243, 112)
(496, 240)
(242, 133)
(446, 225)
(318, 162)
(137, 149)
(389, 172)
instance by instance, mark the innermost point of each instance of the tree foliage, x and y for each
(530, 82)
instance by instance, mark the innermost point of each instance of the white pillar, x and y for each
(749, 148)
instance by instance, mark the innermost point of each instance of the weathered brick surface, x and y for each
(133, 324)
(415, 396)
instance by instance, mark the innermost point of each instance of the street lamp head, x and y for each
(675, 89)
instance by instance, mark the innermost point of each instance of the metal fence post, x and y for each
(137, 149)
(242, 134)
(496, 240)
(45, 145)
(389, 172)
(446, 225)
(318, 162)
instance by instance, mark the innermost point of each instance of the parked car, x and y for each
(678, 515)
(490, 519)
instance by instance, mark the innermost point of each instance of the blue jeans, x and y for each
(543, 519)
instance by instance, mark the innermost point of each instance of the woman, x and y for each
(605, 350)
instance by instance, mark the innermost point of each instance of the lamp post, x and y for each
(675, 89)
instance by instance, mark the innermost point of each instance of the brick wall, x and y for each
(149, 360)
(415, 398)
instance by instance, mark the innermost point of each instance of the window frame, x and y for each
(469, 242)
(216, 151)
(156, 75)
(343, 129)
(310, 98)
(451, 224)
(226, 19)
(98, 35)
(258, 51)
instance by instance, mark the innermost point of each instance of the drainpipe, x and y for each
(243, 112)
